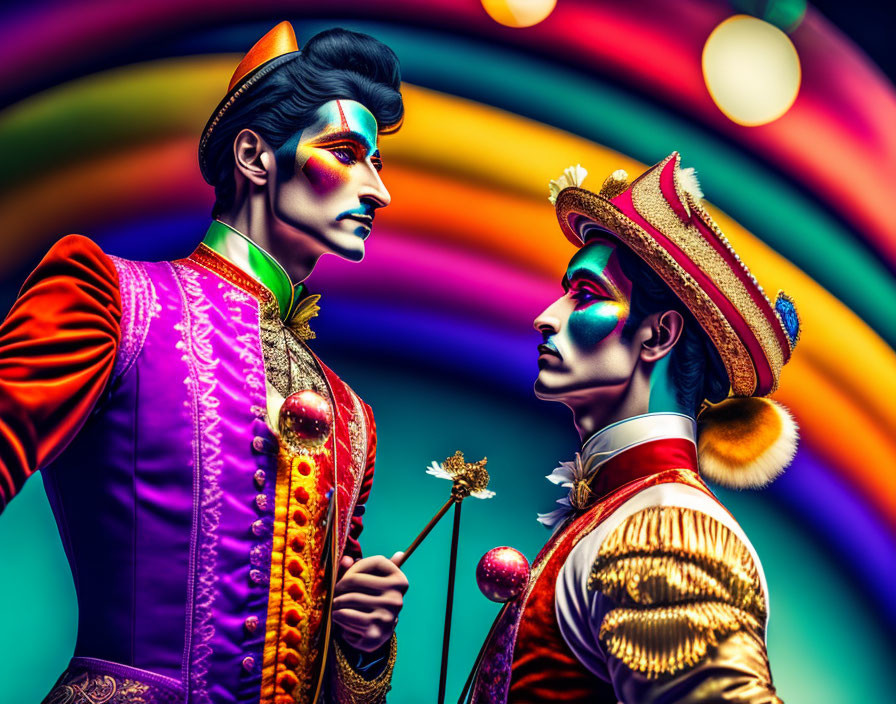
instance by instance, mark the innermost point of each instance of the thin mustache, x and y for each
(548, 346)
(365, 211)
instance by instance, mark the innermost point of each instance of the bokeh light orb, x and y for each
(751, 69)
(518, 13)
(502, 574)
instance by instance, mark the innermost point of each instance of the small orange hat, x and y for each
(279, 41)
(274, 49)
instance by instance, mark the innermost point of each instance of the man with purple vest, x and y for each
(207, 471)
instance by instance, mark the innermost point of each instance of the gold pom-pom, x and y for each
(745, 442)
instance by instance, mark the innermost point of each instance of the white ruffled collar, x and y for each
(603, 446)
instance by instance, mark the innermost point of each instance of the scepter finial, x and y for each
(470, 478)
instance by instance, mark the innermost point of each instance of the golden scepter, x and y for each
(468, 479)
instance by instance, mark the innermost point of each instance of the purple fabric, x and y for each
(156, 498)
(90, 678)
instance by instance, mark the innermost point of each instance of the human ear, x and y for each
(252, 157)
(662, 333)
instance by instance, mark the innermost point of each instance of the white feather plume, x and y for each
(690, 183)
(572, 176)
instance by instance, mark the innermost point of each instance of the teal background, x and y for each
(824, 644)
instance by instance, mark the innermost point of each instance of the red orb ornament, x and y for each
(502, 574)
(306, 420)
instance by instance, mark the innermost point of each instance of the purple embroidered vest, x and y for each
(165, 499)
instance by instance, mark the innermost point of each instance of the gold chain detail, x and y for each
(352, 688)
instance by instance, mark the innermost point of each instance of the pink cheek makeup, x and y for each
(322, 169)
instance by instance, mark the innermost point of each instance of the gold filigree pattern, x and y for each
(350, 687)
(681, 582)
(357, 432)
(289, 366)
(99, 688)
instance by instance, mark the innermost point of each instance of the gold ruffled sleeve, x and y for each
(351, 687)
(685, 616)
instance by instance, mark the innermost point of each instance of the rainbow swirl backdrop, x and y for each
(104, 104)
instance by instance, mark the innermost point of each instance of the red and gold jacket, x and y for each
(652, 594)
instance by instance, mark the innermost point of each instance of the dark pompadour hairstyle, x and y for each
(696, 369)
(336, 64)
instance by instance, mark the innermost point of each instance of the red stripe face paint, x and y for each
(328, 185)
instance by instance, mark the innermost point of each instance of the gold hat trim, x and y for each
(647, 197)
(735, 356)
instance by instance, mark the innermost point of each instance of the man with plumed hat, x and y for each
(207, 471)
(665, 348)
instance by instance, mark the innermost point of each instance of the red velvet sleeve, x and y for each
(352, 546)
(57, 349)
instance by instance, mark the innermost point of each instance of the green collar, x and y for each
(239, 250)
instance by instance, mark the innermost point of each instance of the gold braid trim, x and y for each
(350, 687)
(681, 583)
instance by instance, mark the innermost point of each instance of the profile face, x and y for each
(329, 186)
(583, 356)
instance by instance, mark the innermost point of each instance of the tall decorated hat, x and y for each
(747, 439)
(277, 47)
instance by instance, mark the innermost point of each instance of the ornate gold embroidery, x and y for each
(98, 689)
(358, 436)
(357, 431)
(297, 595)
(352, 688)
(681, 583)
(289, 366)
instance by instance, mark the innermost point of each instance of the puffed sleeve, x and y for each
(683, 612)
(57, 350)
(352, 545)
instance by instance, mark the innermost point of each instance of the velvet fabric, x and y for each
(57, 348)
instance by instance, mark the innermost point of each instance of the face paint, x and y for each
(600, 307)
(329, 185)
(343, 134)
(583, 350)
(585, 359)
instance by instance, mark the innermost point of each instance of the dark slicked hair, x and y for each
(695, 367)
(336, 64)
